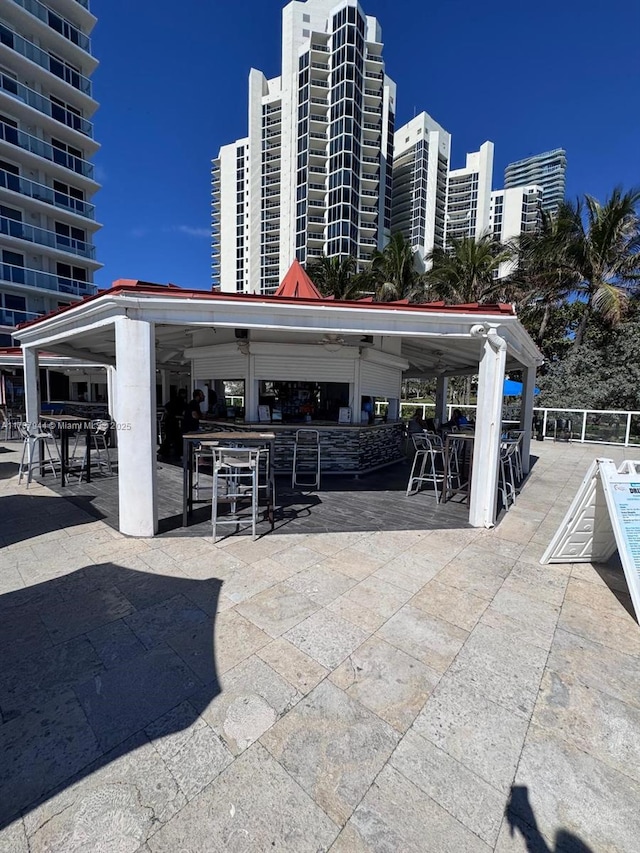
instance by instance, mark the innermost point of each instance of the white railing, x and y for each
(597, 426)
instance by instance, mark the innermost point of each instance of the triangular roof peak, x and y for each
(297, 285)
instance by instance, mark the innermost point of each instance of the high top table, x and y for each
(464, 487)
(222, 439)
(68, 424)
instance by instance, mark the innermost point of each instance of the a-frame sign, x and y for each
(603, 516)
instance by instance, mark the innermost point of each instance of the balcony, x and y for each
(22, 231)
(44, 60)
(56, 22)
(42, 149)
(14, 318)
(40, 192)
(317, 117)
(44, 105)
(45, 280)
(323, 48)
(322, 84)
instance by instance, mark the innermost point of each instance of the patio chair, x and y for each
(428, 466)
(50, 453)
(235, 480)
(507, 474)
(562, 429)
(306, 459)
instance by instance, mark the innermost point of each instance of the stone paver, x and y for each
(355, 692)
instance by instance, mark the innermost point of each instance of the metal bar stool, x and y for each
(306, 459)
(235, 479)
(28, 460)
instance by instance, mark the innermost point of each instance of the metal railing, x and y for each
(56, 22)
(587, 426)
(45, 280)
(22, 231)
(40, 148)
(42, 193)
(45, 105)
(44, 60)
(10, 317)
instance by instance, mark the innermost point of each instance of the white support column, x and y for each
(136, 416)
(31, 385)
(111, 392)
(526, 414)
(486, 450)
(442, 386)
(165, 379)
(251, 392)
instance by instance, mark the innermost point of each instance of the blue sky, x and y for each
(172, 87)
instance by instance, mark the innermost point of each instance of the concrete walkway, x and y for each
(362, 692)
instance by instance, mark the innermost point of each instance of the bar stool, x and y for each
(99, 442)
(235, 473)
(507, 474)
(428, 466)
(306, 453)
(30, 440)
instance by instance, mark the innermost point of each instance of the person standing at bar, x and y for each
(193, 413)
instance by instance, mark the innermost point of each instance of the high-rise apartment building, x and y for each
(420, 170)
(546, 170)
(47, 182)
(513, 212)
(313, 176)
(469, 196)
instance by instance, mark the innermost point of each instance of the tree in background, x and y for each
(337, 277)
(543, 278)
(393, 272)
(603, 251)
(603, 373)
(464, 271)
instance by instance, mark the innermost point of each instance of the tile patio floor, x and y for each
(406, 691)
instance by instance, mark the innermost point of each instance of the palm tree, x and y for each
(336, 277)
(464, 271)
(543, 278)
(394, 273)
(604, 253)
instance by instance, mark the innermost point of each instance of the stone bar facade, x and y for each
(344, 449)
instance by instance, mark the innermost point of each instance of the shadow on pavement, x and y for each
(521, 817)
(89, 661)
(25, 516)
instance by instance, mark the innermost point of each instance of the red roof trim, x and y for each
(297, 285)
(128, 286)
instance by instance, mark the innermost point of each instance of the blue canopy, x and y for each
(514, 389)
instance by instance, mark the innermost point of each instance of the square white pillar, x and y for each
(526, 414)
(442, 386)
(486, 449)
(31, 367)
(136, 420)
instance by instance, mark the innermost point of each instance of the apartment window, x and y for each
(8, 81)
(9, 176)
(66, 155)
(65, 113)
(69, 235)
(9, 129)
(305, 34)
(67, 271)
(306, 18)
(68, 196)
(13, 266)
(63, 27)
(62, 69)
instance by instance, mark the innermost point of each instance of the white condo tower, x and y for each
(47, 182)
(420, 169)
(313, 176)
(469, 196)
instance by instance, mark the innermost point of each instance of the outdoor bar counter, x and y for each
(344, 448)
